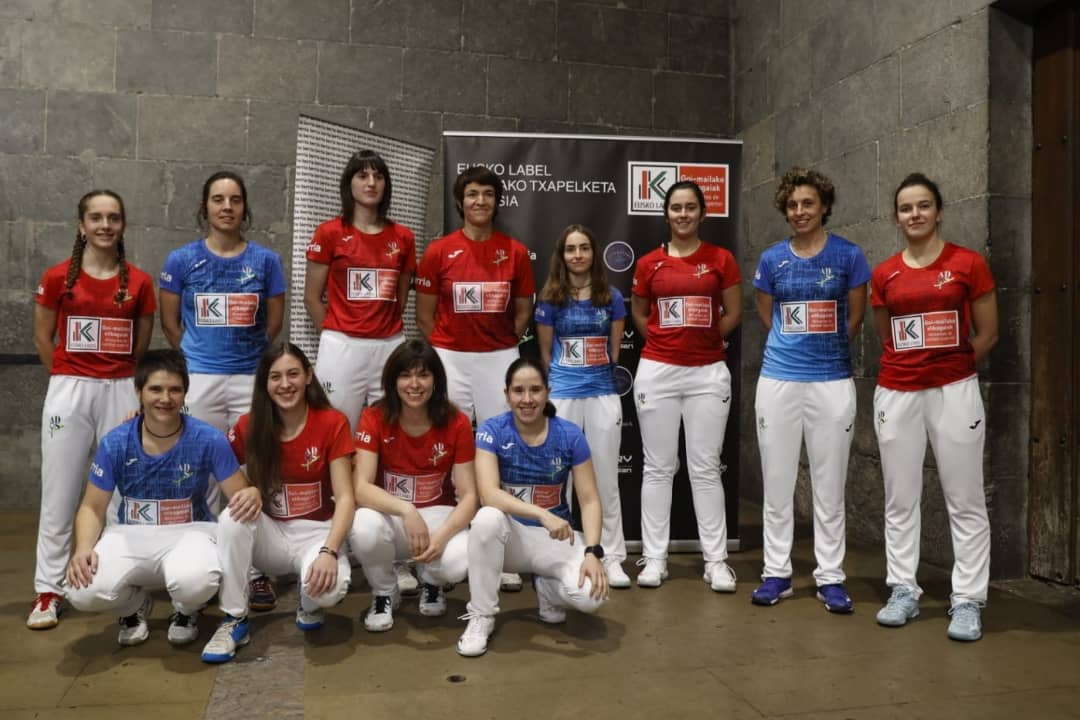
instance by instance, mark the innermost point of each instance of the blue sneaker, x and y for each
(966, 623)
(901, 607)
(308, 620)
(835, 598)
(771, 591)
(231, 634)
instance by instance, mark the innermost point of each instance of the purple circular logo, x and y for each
(618, 256)
(624, 381)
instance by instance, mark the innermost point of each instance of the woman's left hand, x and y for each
(245, 505)
(593, 569)
(436, 545)
(322, 575)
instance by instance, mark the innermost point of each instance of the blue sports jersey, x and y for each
(581, 363)
(538, 474)
(223, 305)
(808, 341)
(164, 489)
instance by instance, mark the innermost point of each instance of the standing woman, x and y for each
(811, 296)
(364, 263)
(298, 451)
(579, 325)
(523, 462)
(415, 480)
(686, 302)
(93, 317)
(936, 313)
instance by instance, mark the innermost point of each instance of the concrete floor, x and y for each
(681, 651)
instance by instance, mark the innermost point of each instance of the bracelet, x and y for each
(328, 551)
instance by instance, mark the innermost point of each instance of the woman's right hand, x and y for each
(82, 568)
(557, 528)
(416, 530)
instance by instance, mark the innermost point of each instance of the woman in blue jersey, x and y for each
(579, 325)
(811, 296)
(523, 461)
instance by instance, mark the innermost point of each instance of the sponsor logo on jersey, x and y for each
(808, 318)
(184, 473)
(701, 270)
(782, 264)
(485, 437)
(944, 278)
(500, 257)
(316, 247)
(451, 256)
(157, 512)
(165, 277)
(508, 445)
(362, 436)
(247, 274)
(422, 282)
(392, 248)
(226, 309)
(438, 452)
(925, 331)
(826, 277)
(296, 500)
(481, 297)
(96, 470)
(311, 456)
(103, 335)
(545, 496)
(688, 311)
(131, 461)
(372, 283)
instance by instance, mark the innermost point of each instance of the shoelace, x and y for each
(130, 621)
(473, 628)
(180, 619)
(261, 586)
(965, 613)
(382, 604)
(431, 593)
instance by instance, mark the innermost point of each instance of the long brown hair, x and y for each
(406, 356)
(263, 447)
(557, 286)
(80, 246)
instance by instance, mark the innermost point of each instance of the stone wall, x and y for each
(148, 97)
(866, 92)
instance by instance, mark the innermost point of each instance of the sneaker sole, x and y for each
(262, 607)
(308, 627)
(889, 622)
(43, 624)
(433, 613)
(462, 653)
(379, 629)
(182, 640)
(650, 583)
(769, 602)
(620, 584)
(959, 638)
(224, 658)
(837, 609)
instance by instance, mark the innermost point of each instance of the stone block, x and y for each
(482, 123)
(435, 24)
(22, 396)
(267, 68)
(610, 96)
(266, 190)
(759, 153)
(271, 131)
(699, 44)
(423, 128)
(852, 45)
(23, 129)
(192, 129)
(378, 22)
(527, 33)
(150, 247)
(37, 187)
(1010, 47)
(752, 95)
(1011, 137)
(309, 20)
(799, 18)
(235, 17)
(611, 36)
(142, 184)
(445, 82)
(359, 75)
(945, 72)
(1008, 428)
(756, 23)
(909, 21)
(1006, 505)
(788, 84)
(519, 88)
(15, 271)
(102, 124)
(765, 225)
(52, 242)
(166, 62)
(798, 136)
(1010, 242)
(108, 13)
(67, 56)
(693, 103)
(269, 193)
(857, 172)
(708, 8)
(17, 329)
(20, 458)
(11, 34)
(865, 499)
(1010, 360)
(861, 107)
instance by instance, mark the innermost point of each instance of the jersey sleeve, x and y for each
(464, 445)
(427, 273)
(544, 314)
(320, 250)
(49, 290)
(369, 430)
(763, 276)
(222, 459)
(275, 276)
(524, 286)
(618, 305)
(341, 443)
(579, 449)
(982, 281)
(877, 287)
(729, 270)
(408, 243)
(238, 438)
(485, 436)
(101, 469)
(859, 272)
(640, 285)
(172, 274)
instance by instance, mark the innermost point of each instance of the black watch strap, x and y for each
(595, 550)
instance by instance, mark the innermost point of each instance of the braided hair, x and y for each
(80, 247)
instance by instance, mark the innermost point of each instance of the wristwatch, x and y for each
(596, 551)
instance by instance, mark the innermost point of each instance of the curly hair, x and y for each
(798, 176)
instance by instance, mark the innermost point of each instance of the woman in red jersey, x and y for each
(93, 318)
(936, 314)
(686, 301)
(414, 478)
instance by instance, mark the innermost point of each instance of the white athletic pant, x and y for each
(600, 418)
(350, 370)
(701, 397)
(219, 400)
(476, 380)
(498, 543)
(78, 411)
(277, 548)
(955, 420)
(378, 541)
(133, 559)
(824, 414)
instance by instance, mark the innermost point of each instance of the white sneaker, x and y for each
(550, 611)
(46, 612)
(133, 628)
(407, 583)
(616, 576)
(653, 572)
(720, 576)
(309, 620)
(183, 629)
(380, 616)
(432, 601)
(231, 634)
(510, 582)
(473, 642)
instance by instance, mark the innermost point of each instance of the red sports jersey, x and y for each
(307, 492)
(685, 297)
(97, 334)
(477, 283)
(362, 286)
(929, 317)
(417, 469)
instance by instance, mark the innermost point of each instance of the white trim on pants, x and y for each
(476, 380)
(135, 558)
(824, 414)
(84, 410)
(955, 420)
(498, 543)
(701, 397)
(600, 418)
(353, 368)
(379, 540)
(277, 548)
